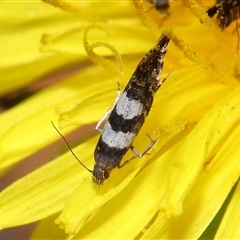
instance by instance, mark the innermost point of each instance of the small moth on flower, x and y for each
(129, 113)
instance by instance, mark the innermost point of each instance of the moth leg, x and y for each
(107, 114)
(103, 118)
(137, 153)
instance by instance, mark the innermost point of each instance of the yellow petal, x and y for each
(229, 227)
(201, 197)
(198, 147)
(203, 201)
(47, 229)
(44, 191)
(21, 42)
(27, 127)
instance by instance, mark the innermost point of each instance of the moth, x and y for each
(129, 113)
(125, 120)
(227, 11)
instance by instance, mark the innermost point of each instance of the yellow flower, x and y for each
(176, 190)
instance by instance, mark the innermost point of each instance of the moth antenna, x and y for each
(64, 139)
(166, 77)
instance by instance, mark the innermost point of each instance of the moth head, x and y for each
(99, 175)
